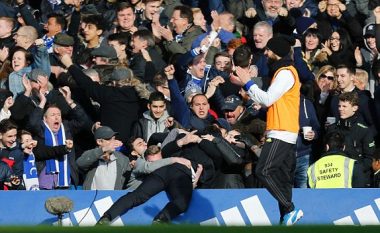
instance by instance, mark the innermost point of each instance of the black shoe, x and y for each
(104, 221)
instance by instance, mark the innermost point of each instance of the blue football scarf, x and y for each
(58, 166)
(30, 175)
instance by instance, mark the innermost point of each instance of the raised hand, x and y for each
(69, 144)
(376, 12)
(169, 71)
(145, 55)
(66, 92)
(282, 11)
(169, 122)
(166, 33)
(4, 53)
(42, 98)
(250, 13)
(208, 137)
(8, 103)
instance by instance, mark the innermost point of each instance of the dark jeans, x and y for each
(175, 182)
(275, 169)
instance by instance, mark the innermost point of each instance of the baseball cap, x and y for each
(231, 102)
(104, 132)
(369, 30)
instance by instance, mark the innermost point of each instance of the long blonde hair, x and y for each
(325, 69)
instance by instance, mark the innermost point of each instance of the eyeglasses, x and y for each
(333, 5)
(17, 34)
(331, 78)
(334, 38)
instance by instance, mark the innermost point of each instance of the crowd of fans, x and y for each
(98, 94)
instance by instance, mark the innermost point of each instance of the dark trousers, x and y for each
(275, 169)
(175, 182)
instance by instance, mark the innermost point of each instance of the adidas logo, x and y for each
(88, 217)
(364, 216)
(253, 209)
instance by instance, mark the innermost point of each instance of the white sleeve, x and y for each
(283, 81)
(4, 115)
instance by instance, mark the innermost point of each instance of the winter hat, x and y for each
(280, 45)
(369, 30)
(303, 23)
(192, 88)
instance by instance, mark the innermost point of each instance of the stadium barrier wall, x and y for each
(208, 207)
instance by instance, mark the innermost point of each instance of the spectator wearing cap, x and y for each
(241, 118)
(37, 81)
(369, 54)
(145, 60)
(233, 109)
(104, 167)
(104, 55)
(120, 102)
(104, 60)
(63, 44)
(278, 158)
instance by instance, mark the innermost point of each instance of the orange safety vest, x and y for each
(283, 115)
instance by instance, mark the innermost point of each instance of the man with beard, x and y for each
(276, 165)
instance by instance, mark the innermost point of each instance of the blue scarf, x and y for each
(30, 175)
(59, 166)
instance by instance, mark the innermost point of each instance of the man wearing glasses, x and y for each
(185, 31)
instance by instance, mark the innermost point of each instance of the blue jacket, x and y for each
(307, 117)
(304, 72)
(181, 111)
(17, 156)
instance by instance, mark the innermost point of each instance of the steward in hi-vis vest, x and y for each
(332, 171)
(335, 169)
